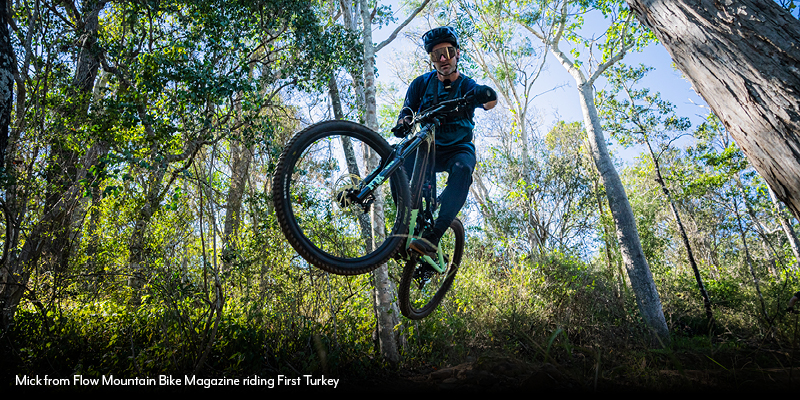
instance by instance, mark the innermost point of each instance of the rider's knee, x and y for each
(462, 172)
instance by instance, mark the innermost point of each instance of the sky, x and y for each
(561, 103)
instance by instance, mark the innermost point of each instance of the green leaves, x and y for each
(634, 115)
(717, 159)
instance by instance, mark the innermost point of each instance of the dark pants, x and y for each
(459, 163)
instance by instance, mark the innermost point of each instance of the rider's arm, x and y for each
(412, 102)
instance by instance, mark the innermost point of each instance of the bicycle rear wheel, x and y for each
(317, 166)
(422, 288)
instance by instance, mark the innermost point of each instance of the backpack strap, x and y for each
(435, 92)
(451, 95)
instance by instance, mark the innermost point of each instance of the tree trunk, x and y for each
(684, 237)
(7, 60)
(385, 306)
(350, 157)
(241, 157)
(630, 246)
(742, 58)
(606, 235)
(137, 257)
(384, 292)
(65, 164)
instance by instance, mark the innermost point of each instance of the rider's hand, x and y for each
(484, 94)
(403, 127)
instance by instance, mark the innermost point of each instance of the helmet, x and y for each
(438, 35)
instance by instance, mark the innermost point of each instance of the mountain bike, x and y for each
(336, 210)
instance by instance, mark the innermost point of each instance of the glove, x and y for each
(403, 126)
(484, 94)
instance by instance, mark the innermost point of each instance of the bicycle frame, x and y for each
(422, 143)
(422, 171)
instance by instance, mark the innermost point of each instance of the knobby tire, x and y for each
(416, 303)
(312, 169)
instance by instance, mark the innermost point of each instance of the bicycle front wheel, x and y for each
(422, 288)
(315, 170)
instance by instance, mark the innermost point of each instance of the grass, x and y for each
(558, 312)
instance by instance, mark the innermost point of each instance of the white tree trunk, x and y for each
(644, 287)
(385, 294)
(641, 279)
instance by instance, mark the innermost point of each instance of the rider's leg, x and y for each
(459, 164)
(459, 167)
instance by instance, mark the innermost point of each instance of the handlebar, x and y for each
(479, 94)
(443, 108)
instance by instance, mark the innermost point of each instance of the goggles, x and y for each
(448, 53)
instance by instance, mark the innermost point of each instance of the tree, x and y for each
(7, 69)
(50, 238)
(554, 21)
(725, 181)
(384, 292)
(641, 117)
(742, 59)
(124, 97)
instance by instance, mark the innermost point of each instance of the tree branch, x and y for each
(611, 61)
(403, 25)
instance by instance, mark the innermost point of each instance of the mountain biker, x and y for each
(455, 152)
